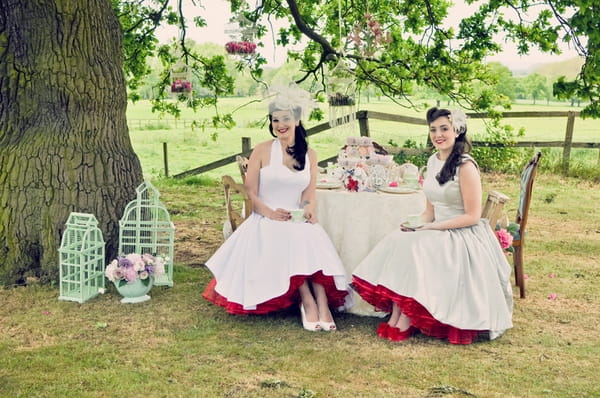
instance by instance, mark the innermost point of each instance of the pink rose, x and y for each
(505, 238)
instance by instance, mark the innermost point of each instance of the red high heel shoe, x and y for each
(382, 330)
(394, 334)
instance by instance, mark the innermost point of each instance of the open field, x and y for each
(188, 149)
(179, 345)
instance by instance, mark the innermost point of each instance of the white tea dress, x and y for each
(259, 268)
(453, 284)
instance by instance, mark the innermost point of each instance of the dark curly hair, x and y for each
(462, 146)
(298, 151)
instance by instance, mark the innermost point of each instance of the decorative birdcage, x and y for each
(181, 80)
(146, 227)
(241, 31)
(341, 92)
(81, 259)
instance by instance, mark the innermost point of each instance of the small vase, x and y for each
(134, 292)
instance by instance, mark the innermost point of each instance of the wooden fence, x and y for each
(363, 118)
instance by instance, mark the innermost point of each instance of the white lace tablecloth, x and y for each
(357, 221)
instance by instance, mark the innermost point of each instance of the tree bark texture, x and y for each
(64, 141)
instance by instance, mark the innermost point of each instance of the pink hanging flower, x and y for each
(240, 47)
(552, 296)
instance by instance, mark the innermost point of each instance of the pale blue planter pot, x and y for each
(134, 292)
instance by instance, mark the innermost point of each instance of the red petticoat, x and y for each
(335, 297)
(382, 299)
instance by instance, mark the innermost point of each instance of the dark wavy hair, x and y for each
(462, 146)
(298, 151)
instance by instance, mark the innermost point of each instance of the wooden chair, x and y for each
(527, 177)
(242, 163)
(237, 202)
(494, 205)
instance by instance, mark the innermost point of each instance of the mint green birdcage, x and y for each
(146, 227)
(81, 259)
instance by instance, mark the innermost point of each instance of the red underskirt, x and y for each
(382, 299)
(335, 297)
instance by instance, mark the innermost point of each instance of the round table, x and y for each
(357, 221)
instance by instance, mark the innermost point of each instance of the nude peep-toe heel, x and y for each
(328, 326)
(310, 326)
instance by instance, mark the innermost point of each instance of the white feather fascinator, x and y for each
(458, 120)
(291, 98)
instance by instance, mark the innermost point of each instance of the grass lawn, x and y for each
(179, 345)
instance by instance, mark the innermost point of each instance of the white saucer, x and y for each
(329, 184)
(410, 226)
(399, 189)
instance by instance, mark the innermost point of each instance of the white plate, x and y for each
(399, 189)
(328, 184)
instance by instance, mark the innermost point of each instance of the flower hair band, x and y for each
(458, 120)
(292, 98)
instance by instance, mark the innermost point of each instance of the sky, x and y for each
(217, 14)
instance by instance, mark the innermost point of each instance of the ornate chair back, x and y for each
(527, 177)
(242, 163)
(237, 202)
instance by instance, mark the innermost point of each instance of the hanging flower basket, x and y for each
(240, 47)
(181, 79)
(368, 36)
(341, 96)
(339, 99)
(181, 86)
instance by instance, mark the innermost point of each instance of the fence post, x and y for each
(166, 159)
(246, 146)
(363, 123)
(568, 142)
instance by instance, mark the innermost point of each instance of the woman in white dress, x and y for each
(447, 278)
(271, 262)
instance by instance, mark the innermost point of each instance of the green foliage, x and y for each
(500, 154)
(418, 158)
(419, 50)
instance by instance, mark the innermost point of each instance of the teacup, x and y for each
(414, 220)
(411, 180)
(297, 215)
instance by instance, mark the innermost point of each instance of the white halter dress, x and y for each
(259, 268)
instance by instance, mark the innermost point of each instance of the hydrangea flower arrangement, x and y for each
(131, 267)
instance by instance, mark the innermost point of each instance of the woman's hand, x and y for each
(407, 228)
(310, 216)
(280, 215)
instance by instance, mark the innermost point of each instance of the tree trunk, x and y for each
(64, 142)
